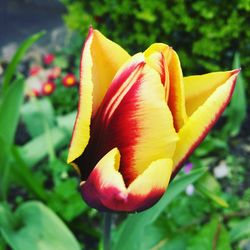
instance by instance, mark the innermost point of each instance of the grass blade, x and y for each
(11, 69)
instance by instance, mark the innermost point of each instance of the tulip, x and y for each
(138, 120)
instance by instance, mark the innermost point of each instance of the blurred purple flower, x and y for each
(187, 167)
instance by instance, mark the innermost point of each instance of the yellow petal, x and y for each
(107, 58)
(156, 176)
(101, 59)
(199, 87)
(149, 187)
(108, 170)
(166, 62)
(80, 136)
(156, 134)
(157, 56)
(176, 99)
(202, 120)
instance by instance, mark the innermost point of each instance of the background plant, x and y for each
(206, 34)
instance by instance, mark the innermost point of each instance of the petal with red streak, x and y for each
(133, 117)
(148, 187)
(202, 120)
(107, 58)
(157, 56)
(105, 188)
(101, 59)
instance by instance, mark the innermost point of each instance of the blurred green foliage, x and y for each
(33, 220)
(206, 34)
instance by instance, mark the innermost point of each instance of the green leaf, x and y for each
(2, 243)
(209, 145)
(10, 110)
(6, 218)
(237, 110)
(36, 227)
(155, 236)
(146, 16)
(25, 177)
(240, 230)
(65, 193)
(211, 236)
(159, 236)
(33, 114)
(39, 117)
(217, 199)
(67, 121)
(132, 231)
(179, 242)
(210, 187)
(9, 117)
(34, 151)
(209, 181)
(11, 69)
(5, 169)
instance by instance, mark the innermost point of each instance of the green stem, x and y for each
(107, 221)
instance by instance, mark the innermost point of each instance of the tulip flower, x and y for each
(138, 120)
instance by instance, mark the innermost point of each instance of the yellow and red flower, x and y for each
(48, 88)
(138, 120)
(69, 80)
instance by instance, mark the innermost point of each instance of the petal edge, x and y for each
(201, 121)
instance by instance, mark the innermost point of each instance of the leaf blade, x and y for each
(41, 226)
(17, 57)
(132, 230)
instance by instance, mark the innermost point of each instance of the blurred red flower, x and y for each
(48, 58)
(36, 93)
(54, 73)
(34, 70)
(69, 80)
(48, 88)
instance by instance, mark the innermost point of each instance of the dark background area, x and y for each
(21, 18)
